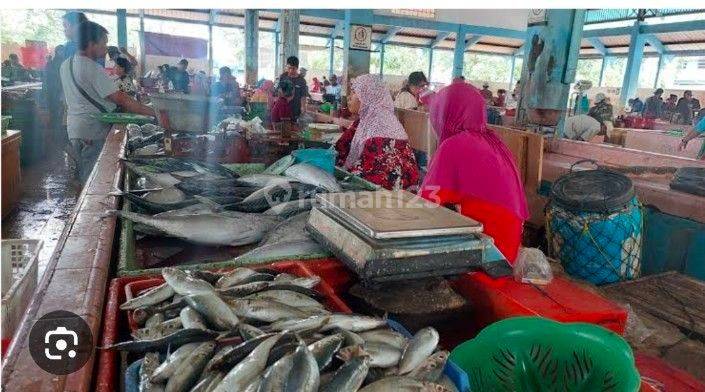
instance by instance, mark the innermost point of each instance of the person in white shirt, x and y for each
(581, 127)
(408, 97)
(334, 89)
(89, 91)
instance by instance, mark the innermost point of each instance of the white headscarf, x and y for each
(377, 117)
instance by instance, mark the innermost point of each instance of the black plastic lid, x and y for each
(593, 191)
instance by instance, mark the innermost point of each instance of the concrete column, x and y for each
(331, 56)
(211, 22)
(430, 63)
(289, 39)
(355, 62)
(511, 74)
(251, 46)
(381, 59)
(605, 59)
(122, 27)
(459, 54)
(277, 63)
(143, 59)
(631, 74)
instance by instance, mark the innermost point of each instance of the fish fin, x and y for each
(215, 207)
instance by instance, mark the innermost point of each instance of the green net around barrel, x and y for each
(594, 225)
(538, 354)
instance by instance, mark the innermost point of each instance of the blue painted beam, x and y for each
(692, 25)
(470, 42)
(634, 58)
(656, 43)
(337, 30)
(323, 13)
(121, 14)
(391, 32)
(608, 32)
(658, 70)
(520, 50)
(459, 53)
(439, 38)
(597, 44)
(445, 26)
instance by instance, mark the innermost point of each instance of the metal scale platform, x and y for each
(388, 236)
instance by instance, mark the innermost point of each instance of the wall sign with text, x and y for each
(361, 37)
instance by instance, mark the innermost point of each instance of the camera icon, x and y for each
(57, 343)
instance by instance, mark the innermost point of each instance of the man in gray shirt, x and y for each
(90, 91)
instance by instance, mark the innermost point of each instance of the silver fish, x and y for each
(167, 368)
(353, 322)
(248, 332)
(291, 208)
(234, 277)
(263, 180)
(165, 196)
(165, 180)
(190, 318)
(208, 381)
(244, 289)
(158, 331)
(239, 377)
(214, 309)
(188, 372)
(418, 349)
(154, 319)
(349, 377)
(401, 384)
(431, 368)
(304, 375)
(313, 323)
(183, 283)
(286, 297)
(381, 355)
(276, 375)
(387, 336)
(313, 175)
(214, 229)
(283, 250)
(264, 310)
(351, 338)
(152, 297)
(150, 362)
(308, 282)
(292, 229)
(324, 350)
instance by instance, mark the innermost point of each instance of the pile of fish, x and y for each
(207, 204)
(265, 330)
(144, 140)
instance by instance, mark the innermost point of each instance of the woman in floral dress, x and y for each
(376, 146)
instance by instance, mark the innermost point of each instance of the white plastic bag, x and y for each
(532, 267)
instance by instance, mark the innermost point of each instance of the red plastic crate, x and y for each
(560, 300)
(116, 320)
(658, 375)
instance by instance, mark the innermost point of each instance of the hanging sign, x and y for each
(360, 37)
(537, 16)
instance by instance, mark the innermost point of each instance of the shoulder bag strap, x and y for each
(83, 92)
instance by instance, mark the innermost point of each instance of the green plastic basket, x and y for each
(124, 118)
(129, 266)
(538, 354)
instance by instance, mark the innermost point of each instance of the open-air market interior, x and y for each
(314, 199)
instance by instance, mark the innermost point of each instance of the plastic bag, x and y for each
(531, 266)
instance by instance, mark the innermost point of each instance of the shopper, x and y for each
(333, 90)
(414, 86)
(281, 111)
(123, 77)
(376, 146)
(602, 111)
(473, 169)
(686, 106)
(89, 91)
(180, 78)
(300, 88)
(487, 93)
(653, 106)
(227, 88)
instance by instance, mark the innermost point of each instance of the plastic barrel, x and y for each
(321, 157)
(594, 226)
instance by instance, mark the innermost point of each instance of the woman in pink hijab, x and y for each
(376, 146)
(473, 169)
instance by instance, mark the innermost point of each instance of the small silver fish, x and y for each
(152, 297)
(418, 349)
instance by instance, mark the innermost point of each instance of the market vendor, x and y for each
(653, 107)
(123, 77)
(115, 53)
(180, 77)
(281, 111)
(376, 146)
(227, 88)
(414, 86)
(14, 70)
(300, 89)
(473, 169)
(686, 106)
(581, 127)
(333, 91)
(89, 91)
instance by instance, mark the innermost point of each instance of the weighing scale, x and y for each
(387, 236)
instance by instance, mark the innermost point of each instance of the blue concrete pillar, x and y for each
(430, 63)
(289, 34)
(331, 56)
(605, 59)
(631, 74)
(251, 46)
(459, 53)
(277, 64)
(511, 73)
(355, 62)
(381, 59)
(122, 27)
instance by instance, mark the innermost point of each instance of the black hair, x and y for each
(687, 92)
(113, 51)
(13, 56)
(501, 91)
(226, 70)
(417, 78)
(90, 32)
(124, 64)
(183, 62)
(75, 18)
(658, 91)
(293, 61)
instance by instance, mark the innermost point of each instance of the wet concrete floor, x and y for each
(48, 199)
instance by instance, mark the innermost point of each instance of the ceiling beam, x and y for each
(520, 50)
(337, 30)
(656, 43)
(470, 42)
(597, 44)
(440, 38)
(391, 32)
(693, 25)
